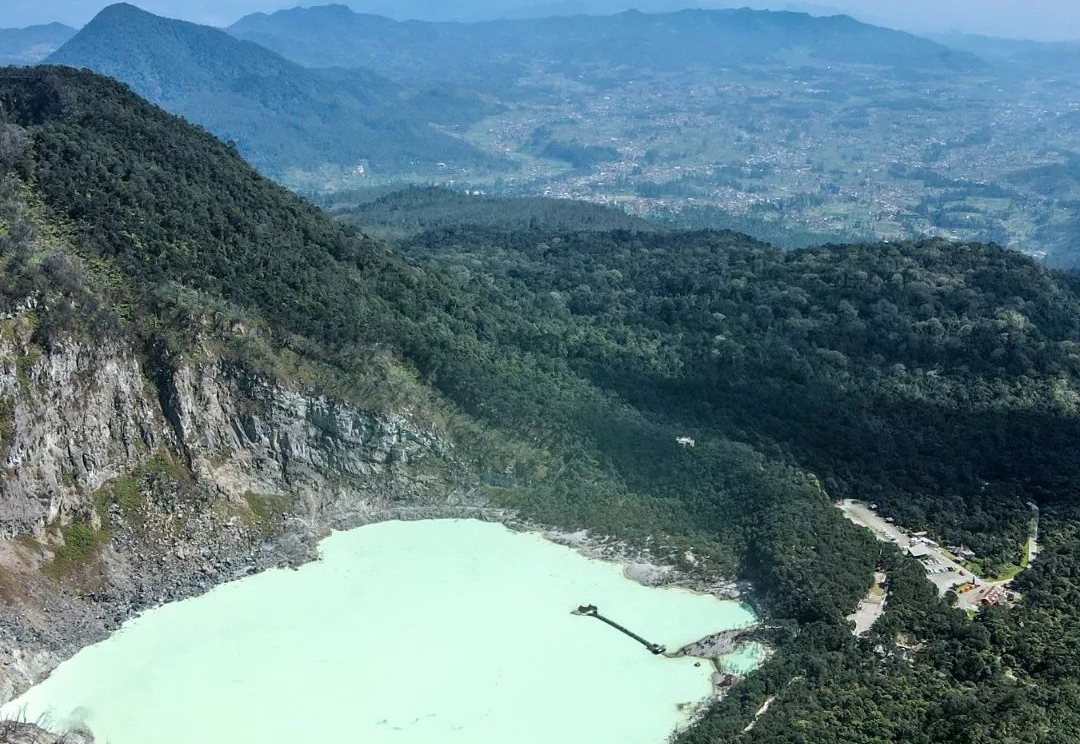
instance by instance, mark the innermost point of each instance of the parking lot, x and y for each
(941, 568)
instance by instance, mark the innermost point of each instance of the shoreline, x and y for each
(639, 566)
(298, 545)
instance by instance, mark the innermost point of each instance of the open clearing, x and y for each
(942, 568)
(872, 605)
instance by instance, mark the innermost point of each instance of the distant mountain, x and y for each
(1061, 58)
(27, 46)
(282, 116)
(488, 10)
(472, 11)
(478, 52)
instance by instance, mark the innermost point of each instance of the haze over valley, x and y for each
(692, 119)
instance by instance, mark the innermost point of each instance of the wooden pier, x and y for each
(591, 611)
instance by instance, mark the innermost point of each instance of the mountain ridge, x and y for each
(29, 45)
(417, 209)
(279, 114)
(334, 35)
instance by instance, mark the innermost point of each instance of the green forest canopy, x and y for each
(939, 378)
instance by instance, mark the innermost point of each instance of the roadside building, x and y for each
(920, 551)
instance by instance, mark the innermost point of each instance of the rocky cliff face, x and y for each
(120, 492)
(249, 437)
(14, 732)
(72, 420)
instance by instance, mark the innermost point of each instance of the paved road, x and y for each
(941, 568)
(1033, 541)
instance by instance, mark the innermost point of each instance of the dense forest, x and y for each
(395, 213)
(935, 379)
(865, 366)
(938, 379)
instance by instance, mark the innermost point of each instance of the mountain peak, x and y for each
(121, 11)
(148, 51)
(122, 8)
(243, 92)
(335, 8)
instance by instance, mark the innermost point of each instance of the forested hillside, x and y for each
(795, 129)
(867, 366)
(280, 115)
(418, 210)
(27, 46)
(939, 379)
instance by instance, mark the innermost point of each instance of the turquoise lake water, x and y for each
(433, 632)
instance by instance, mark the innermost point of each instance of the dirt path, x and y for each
(1033, 540)
(760, 712)
(871, 607)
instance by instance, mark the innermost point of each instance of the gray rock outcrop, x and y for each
(226, 472)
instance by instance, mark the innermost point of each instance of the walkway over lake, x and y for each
(592, 611)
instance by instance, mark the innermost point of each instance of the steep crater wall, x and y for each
(121, 490)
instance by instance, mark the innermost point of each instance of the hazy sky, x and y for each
(1049, 20)
(1037, 19)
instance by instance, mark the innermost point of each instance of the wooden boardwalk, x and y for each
(591, 611)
